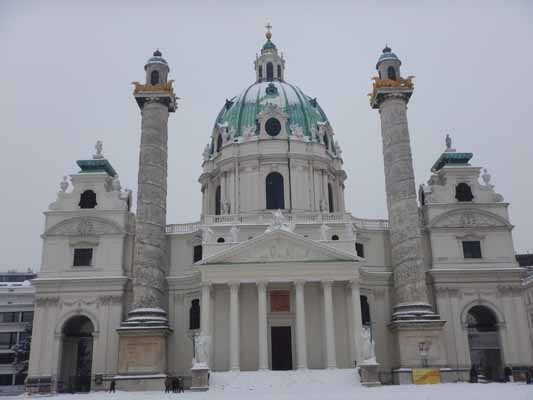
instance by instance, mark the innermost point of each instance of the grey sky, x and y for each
(66, 68)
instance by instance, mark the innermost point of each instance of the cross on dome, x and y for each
(268, 33)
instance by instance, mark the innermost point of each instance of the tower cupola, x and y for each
(388, 65)
(156, 69)
(269, 66)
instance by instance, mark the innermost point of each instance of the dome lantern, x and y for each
(388, 65)
(270, 66)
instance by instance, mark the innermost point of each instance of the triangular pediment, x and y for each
(278, 246)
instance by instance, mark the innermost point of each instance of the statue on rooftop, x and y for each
(99, 146)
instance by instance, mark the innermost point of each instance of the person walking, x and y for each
(473, 374)
(112, 386)
(181, 389)
(167, 384)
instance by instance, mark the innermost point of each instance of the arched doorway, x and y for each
(484, 342)
(76, 355)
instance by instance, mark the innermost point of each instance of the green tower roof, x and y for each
(96, 165)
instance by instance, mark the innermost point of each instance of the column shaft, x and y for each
(234, 326)
(301, 342)
(262, 324)
(205, 310)
(357, 319)
(331, 357)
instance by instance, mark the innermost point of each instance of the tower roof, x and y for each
(157, 58)
(387, 55)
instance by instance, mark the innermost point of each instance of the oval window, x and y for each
(273, 127)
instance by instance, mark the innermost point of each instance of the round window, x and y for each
(273, 127)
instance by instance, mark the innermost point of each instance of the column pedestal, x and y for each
(142, 358)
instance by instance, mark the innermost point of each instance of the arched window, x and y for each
(218, 201)
(279, 72)
(221, 240)
(335, 237)
(484, 342)
(154, 77)
(194, 315)
(365, 310)
(391, 72)
(88, 199)
(326, 142)
(463, 192)
(260, 72)
(219, 143)
(270, 72)
(274, 191)
(330, 198)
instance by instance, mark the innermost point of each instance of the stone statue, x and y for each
(324, 229)
(449, 143)
(297, 131)
(350, 233)
(248, 132)
(368, 351)
(226, 207)
(115, 184)
(201, 350)
(322, 205)
(207, 234)
(64, 184)
(206, 152)
(99, 146)
(486, 177)
(338, 149)
(234, 231)
(279, 221)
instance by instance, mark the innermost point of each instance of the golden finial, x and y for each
(268, 27)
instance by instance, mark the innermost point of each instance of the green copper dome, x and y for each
(240, 113)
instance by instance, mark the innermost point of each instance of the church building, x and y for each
(276, 274)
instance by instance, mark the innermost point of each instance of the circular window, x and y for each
(220, 240)
(335, 237)
(273, 127)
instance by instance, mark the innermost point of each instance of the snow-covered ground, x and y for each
(318, 385)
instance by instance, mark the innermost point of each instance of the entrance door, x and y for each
(281, 348)
(77, 355)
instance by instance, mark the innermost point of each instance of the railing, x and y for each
(266, 219)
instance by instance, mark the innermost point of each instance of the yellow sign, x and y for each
(426, 375)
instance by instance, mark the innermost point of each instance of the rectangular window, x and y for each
(27, 316)
(360, 250)
(7, 339)
(6, 380)
(9, 317)
(20, 379)
(197, 253)
(83, 257)
(472, 249)
(7, 358)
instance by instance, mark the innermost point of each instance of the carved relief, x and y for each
(467, 219)
(84, 226)
(47, 301)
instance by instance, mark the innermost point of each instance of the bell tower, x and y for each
(414, 322)
(269, 66)
(143, 336)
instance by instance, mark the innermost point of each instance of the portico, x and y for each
(314, 309)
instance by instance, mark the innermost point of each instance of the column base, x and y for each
(420, 343)
(142, 358)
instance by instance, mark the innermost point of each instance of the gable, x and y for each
(468, 218)
(278, 246)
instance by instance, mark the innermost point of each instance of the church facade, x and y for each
(277, 273)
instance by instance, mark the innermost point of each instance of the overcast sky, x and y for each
(66, 68)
